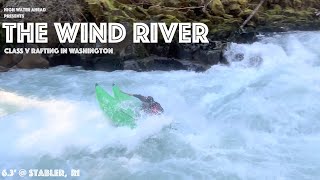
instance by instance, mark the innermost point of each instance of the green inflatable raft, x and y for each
(121, 108)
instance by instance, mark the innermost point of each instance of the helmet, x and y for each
(150, 99)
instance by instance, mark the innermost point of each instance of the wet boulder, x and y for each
(9, 60)
(103, 63)
(65, 59)
(31, 61)
(153, 63)
(3, 69)
(131, 65)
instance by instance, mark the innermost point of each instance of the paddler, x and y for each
(149, 105)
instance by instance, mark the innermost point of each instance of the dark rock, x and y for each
(255, 61)
(131, 65)
(103, 63)
(65, 59)
(247, 37)
(194, 66)
(3, 69)
(238, 57)
(210, 57)
(9, 60)
(166, 64)
(160, 63)
(31, 61)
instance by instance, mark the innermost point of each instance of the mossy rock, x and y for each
(208, 23)
(282, 3)
(140, 13)
(96, 10)
(235, 22)
(125, 1)
(217, 19)
(168, 19)
(178, 14)
(121, 19)
(289, 20)
(117, 12)
(297, 4)
(246, 13)
(155, 10)
(107, 4)
(234, 9)
(227, 16)
(222, 31)
(243, 3)
(217, 8)
(134, 12)
(228, 2)
(277, 9)
(172, 3)
(290, 12)
(274, 18)
(191, 14)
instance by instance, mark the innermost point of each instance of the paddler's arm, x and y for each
(140, 97)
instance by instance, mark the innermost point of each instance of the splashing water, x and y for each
(255, 119)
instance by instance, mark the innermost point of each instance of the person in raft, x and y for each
(149, 105)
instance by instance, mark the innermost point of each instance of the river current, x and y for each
(258, 118)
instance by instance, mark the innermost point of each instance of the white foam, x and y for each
(243, 121)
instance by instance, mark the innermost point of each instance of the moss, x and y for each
(140, 13)
(290, 12)
(227, 16)
(208, 23)
(277, 9)
(216, 19)
(297, 4)
(228, 2)
(121, 19)
(220, 16)
(95, 9)
(273, 18)
(234, 9)
(243, 3)
(108, 4)
(246, 13)
(168, 19)
(235, 21)
(222, 31)
(178, 14)
(217, 8)
(154, 10)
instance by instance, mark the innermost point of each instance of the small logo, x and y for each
(22, 172)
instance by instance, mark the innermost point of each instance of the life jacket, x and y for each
(152, 108)
(156, 108)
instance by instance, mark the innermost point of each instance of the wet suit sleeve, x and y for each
(142, 98)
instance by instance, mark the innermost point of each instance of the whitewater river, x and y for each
(257, 119)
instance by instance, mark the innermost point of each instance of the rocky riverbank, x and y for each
(223, 17)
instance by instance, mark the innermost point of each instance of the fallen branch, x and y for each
(251, 15)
